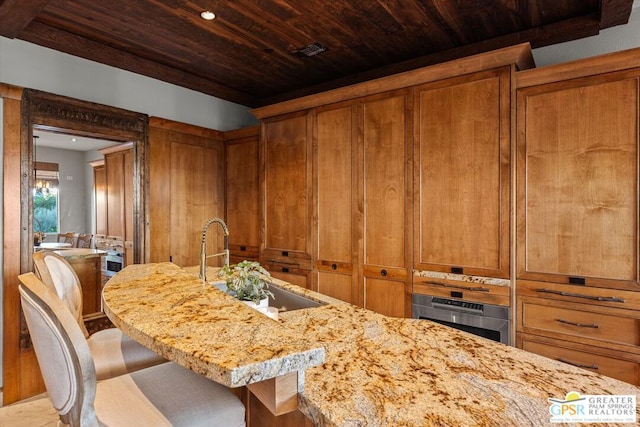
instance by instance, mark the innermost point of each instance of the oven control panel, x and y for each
(464, 305)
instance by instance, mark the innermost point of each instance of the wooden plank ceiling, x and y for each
(247, 54)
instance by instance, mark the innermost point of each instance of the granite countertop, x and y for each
(383, 371)
(78, 253)
(170, 311)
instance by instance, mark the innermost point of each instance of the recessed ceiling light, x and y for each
(73, 140)
(208, 15)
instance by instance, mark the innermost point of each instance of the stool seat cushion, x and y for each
(166, 395)
(115, 353)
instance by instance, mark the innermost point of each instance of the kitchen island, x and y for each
(376, 370)
(87, 263)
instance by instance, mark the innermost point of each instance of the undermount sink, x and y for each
(283, 299)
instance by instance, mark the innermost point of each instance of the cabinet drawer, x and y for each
(611, 366)
(586, 324)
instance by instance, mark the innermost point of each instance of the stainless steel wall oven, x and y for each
(485, 320)
(114, 259)
(115, 262)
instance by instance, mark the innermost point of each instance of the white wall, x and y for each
(31, 66)
(27, 65)
(609, 40)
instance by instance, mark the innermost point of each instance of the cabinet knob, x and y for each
(383, 273)
(334, 266)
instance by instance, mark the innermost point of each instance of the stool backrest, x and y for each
(67, 238)
(62, 352)
(84, 241)
(59, 276)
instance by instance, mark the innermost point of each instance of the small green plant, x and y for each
(247, 281)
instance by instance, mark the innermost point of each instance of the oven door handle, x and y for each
(466, 288)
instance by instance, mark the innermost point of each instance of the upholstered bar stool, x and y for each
(163, 395)
(114, 353)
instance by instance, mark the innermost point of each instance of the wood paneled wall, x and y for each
(186, 188)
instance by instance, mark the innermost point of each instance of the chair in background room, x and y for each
(68, 238)
(163, 395)
(114, 353)
(84, 241)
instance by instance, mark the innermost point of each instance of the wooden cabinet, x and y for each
(297, 276)
(100, 194)
(622, 366)
(89, 274)
(336, 195)
(115, 195)
(577, 174)
(286, 192)
(186, 174)
(577, 214)
(462, 168)
(362, 179)
(242, 191)
(593, 328)
(385, 143)
(113, 189)
(485, 293)
(360, 155)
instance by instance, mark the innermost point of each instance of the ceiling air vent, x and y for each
(309, 50)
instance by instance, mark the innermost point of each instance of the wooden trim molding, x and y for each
(520, 55)
(11, 97)
(166, 124)
(607, 63)
(116, 148)
(10, 92)
(55, 113)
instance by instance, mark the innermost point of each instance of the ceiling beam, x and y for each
(72, 44)
(15, 15)
(614, 12)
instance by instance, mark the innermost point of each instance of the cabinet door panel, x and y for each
(88, 271)
(578, 193)
(129, 222)
(385, 192)
(195, 198)
(463, 172)
(295, 276)
(100, 194)
(114, 166)
(614, 367)
(334, 184)
(542, 317)
(287, 187)
(385, 296)
(242, 193)
(335, 285)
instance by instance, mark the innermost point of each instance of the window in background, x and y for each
(45, 198)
